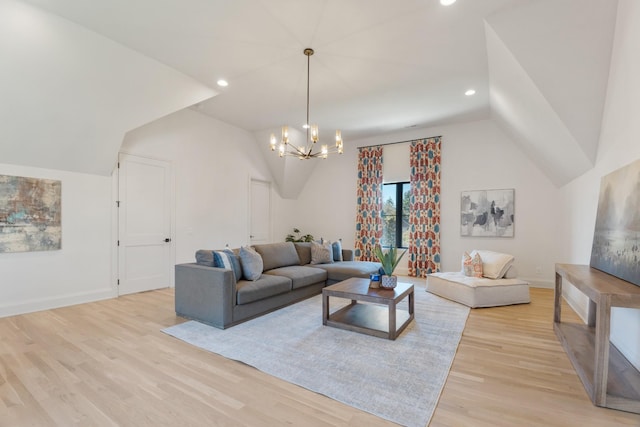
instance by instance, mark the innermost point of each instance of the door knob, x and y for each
(167, 240)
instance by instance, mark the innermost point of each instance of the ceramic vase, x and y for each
(389, 282)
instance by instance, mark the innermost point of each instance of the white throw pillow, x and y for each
(512, 272)
(494, 264)
(321, 253)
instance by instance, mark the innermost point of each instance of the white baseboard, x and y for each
(578, 306)
(56, 302)
(537, 282)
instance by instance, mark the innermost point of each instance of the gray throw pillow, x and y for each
(251, 263)
(321, 253)
(204, 257)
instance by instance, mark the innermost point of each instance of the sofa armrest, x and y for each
(347, 254)
(205, 293)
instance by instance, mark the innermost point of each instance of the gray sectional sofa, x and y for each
(213, 296)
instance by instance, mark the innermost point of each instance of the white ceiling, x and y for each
(380, 65)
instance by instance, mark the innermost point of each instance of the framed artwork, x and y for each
(487, 213)
(30, 214)
(616, 239)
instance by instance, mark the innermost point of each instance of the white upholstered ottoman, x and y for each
(478, 291)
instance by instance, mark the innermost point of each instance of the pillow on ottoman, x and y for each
(472, 267)
(494, 264)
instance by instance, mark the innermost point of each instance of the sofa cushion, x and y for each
(264, 287)
(304, 252)
(321, 253)
(251, 261)
(204, 257)
(229, 260)
(276, 255)
(300, 276)
(339, 271)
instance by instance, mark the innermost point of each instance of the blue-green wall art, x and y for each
(30, 214)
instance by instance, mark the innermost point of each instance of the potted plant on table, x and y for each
(389, 261)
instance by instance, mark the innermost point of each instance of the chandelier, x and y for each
(306, 151)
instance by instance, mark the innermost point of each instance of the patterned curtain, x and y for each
(424, 215)
(369, 202)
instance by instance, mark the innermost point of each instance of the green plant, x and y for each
(297, 237)
(389, 259)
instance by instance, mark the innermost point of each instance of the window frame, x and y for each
(399, 186)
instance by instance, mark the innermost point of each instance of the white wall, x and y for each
(475, 156)
(81, 270)
(618, 146)
(212, 164)
(69, 94)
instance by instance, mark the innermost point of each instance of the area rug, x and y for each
(397, 380)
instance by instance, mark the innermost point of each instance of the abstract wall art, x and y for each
(30, 214)
(487, 213)
(616, 240)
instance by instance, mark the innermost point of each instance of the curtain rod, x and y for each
(399, 142)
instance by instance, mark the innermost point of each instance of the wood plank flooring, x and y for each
(108, 364)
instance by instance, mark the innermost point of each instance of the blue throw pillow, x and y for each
(227, 259)
(336, 248)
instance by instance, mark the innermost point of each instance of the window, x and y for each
(395, 214)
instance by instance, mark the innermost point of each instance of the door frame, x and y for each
(115, 227)
(250, 210)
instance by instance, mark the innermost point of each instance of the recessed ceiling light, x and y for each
(447, 2)
(305, 126)
(470, 92)
(223, 83)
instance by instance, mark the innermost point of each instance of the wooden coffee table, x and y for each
(378, 318)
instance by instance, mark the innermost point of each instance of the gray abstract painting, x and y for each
(487, 213)
(30, 214)
(616, 240)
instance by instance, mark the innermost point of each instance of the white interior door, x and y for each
(144, 224)
(260, 208)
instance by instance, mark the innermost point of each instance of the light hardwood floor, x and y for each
(108, 364)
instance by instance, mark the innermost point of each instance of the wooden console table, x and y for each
(608, 377)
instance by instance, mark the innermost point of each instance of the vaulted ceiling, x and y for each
(539, 67)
